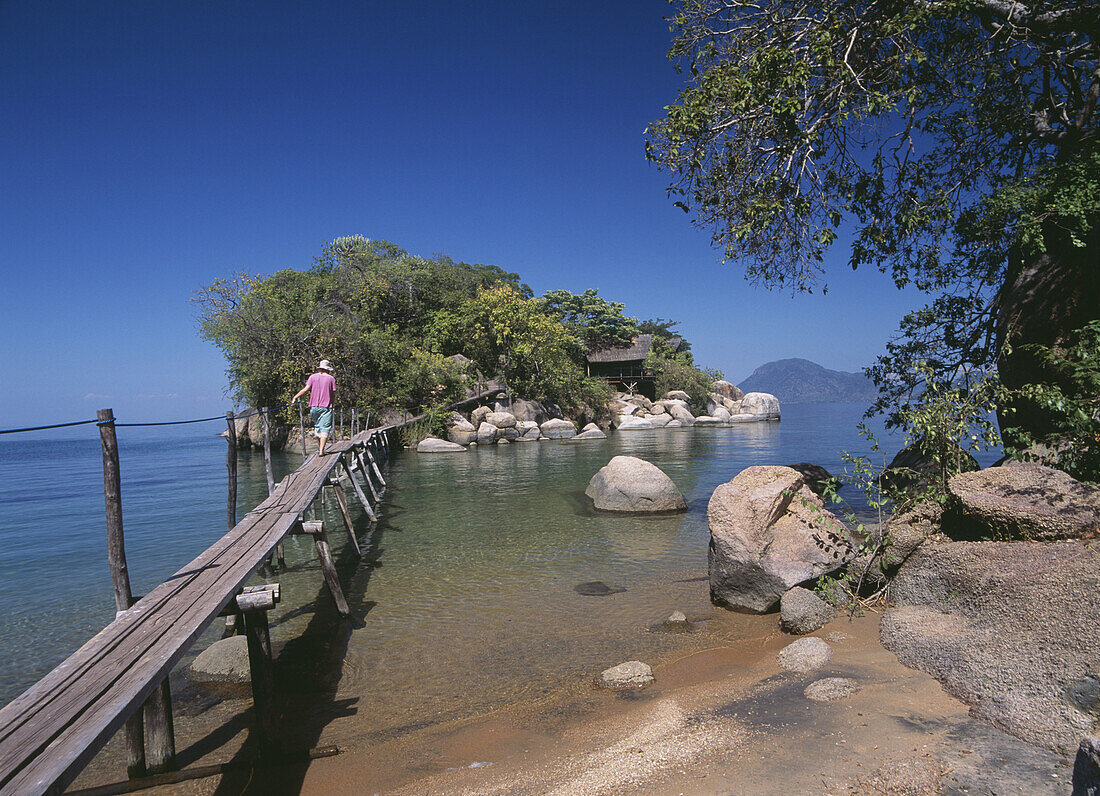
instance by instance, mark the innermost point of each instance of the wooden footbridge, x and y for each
(119, 677)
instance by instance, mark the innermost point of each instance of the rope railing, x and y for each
(115, 422)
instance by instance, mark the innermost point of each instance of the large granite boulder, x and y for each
(477, 417)
(1007, 627)
(627, 423)
(720, 413)
(523, 409)
(556, 428)
(591, 431)
(707, 420)
(528, 430)
(727, 390)
(501, 419)
(460, 430)
(659, 421)
(678, 395)
(680, 412)
(761, 405)
(769, 532)
(629, 484)
(1023, 500)
(486, 433)
(436, 445)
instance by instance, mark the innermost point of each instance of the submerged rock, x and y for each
(224, 661)
(805, 655)
(632, 674)
(596, 588)
(629, 484)
(830, 689)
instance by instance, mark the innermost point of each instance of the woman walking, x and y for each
(320, 386)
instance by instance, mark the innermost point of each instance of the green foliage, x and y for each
(591, 318)
(677, 371)
(1073, 407)
(947, 141)
(505, 332)
(432, 423)
(365, 305)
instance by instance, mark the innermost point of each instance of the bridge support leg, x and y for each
(316, 529)
(366, 475)
(161, 749)
(342, 500)
(358, 490)
(250, 607)
(374, 466)
(263, 679)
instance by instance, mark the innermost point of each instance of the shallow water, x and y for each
(464, 599)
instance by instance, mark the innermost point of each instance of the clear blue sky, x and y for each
(148, 148)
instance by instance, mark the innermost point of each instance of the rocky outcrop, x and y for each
(769, 532)
(1007, 627)
(460, 430)
(678, 395)
(629, 484)
(1022, 500)
(727, 390)
(761, 405)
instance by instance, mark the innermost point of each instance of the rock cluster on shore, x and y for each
(528, 421)
(726, 405)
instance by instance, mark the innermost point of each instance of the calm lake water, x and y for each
(465, 596)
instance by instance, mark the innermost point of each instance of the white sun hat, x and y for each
(325, 365)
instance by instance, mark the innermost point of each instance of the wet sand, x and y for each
(720, 719)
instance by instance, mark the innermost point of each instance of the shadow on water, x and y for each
(308, 666)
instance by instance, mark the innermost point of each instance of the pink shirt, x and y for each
(320, 386)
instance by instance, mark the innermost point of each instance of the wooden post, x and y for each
(279, 555)
(302, 427)
(231, 465)
(267, 452)
(341, 422)
(358, 489)
(263, 679)
(120, 576)
(342, 500)
(328, 566)
(161, 731)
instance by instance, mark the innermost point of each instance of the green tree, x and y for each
(593, 319)
(941, 136)
(504, 332)
(366, 305)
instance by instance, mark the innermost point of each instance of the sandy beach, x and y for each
(722, 719)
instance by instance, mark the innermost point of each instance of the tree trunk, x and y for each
(1043, 300)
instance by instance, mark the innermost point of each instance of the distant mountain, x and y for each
(799, 381)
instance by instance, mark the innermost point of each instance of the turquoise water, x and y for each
(467, 578)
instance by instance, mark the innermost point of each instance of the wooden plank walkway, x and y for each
(49, 733)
